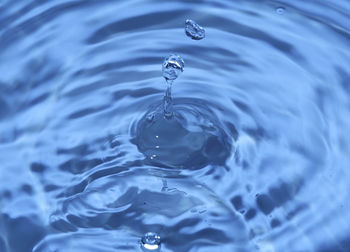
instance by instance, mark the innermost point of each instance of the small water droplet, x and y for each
(150, 242)
(194, 30)
(150, 117)
(173, 65)
(280, 10)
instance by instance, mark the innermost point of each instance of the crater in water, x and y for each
(191, 138)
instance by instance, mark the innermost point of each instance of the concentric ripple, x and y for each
(262, 109)
(136, 203)
(191, 138)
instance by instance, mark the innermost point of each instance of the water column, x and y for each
(173, 65)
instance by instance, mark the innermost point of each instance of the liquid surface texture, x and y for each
(252, 157)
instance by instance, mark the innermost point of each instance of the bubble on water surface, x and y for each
(280, 10)
(150, 242)
(194, 30)
(173, 65)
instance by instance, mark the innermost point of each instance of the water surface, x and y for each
(271, 78)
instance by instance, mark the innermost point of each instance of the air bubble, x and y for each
(194, 30)
(150, 242)
(173, 65)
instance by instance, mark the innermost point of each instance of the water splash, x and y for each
(150, 242)
(173, 65)
(176, 138)
(194, 30)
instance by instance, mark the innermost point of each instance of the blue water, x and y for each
(254, 156)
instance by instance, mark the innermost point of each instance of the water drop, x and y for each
(194, 30)
(150, 117)
(173, 65)
(280, 10)
(150, 242)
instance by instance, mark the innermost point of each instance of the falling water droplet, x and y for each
(150, 242)
(194, 30)
(280, 10)
(173, 65)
